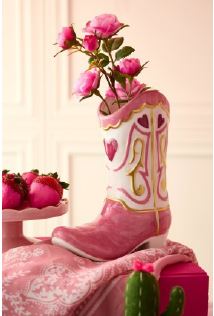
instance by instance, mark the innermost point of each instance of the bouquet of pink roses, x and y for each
(107, 59)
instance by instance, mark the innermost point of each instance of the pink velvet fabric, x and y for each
(44, 279)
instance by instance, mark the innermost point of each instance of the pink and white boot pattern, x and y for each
(136, 210)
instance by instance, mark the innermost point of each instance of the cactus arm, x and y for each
(176, 303)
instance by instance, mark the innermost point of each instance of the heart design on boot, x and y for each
(143, 121)
(111, 146)
(161, 120)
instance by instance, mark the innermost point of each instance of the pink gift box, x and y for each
(109, 301)
(195, 283)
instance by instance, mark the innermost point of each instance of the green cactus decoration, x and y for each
(142, 295)
(176, 303)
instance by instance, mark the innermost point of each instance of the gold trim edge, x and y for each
(159, 209)
(144, 105)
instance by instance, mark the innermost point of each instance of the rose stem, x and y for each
(101, 97)
(113, 65)
(105, 74)
(107, 78)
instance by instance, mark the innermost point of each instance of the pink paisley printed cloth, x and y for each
(44, 279)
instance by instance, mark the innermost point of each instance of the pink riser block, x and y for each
(191, 277)
(195, 283)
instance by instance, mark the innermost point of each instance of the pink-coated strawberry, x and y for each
(14, 190)
(46, 190)
(30, 176)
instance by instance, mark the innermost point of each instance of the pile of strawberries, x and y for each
(31, 189)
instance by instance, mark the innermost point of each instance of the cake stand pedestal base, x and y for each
(12, 236)
(12, 223)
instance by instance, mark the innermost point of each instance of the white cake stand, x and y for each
(12, 223)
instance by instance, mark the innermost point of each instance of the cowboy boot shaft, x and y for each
(136, 158)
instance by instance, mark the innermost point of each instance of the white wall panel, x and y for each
(88, 174)
(190, 193)
(12, 74)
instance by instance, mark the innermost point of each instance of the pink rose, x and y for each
(103, 26)
(130, 91)
(87, 83)
(129, 66)
(90, 43)
(67, 37)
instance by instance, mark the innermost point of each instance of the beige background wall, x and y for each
(45, 127)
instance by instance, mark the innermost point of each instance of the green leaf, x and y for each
(117, 42)
(104, 46)
(5, 171)
(35, 171)
(102, 56)
(119, 78)
(124, 52)
(64, 185)
(17, 180)
(91, 60)
(97, 92)
(144, 89)
(145, 64)
(141, 68)
(54, 175)
(122, 27)
(86, 97)
(112, 44)
(103, 59)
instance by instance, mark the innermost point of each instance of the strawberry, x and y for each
(46, 190)
(30, 176)
(14, 190)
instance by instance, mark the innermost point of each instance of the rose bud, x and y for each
(87, 83)
(67, 37)
(130, 66)
(90, 43)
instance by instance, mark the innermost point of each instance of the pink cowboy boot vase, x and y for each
(136, 210)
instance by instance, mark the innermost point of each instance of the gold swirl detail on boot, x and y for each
(139, 164)
(153, 175)
(163, 150)
(163, 160)
(163, 185)
(157, 217)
